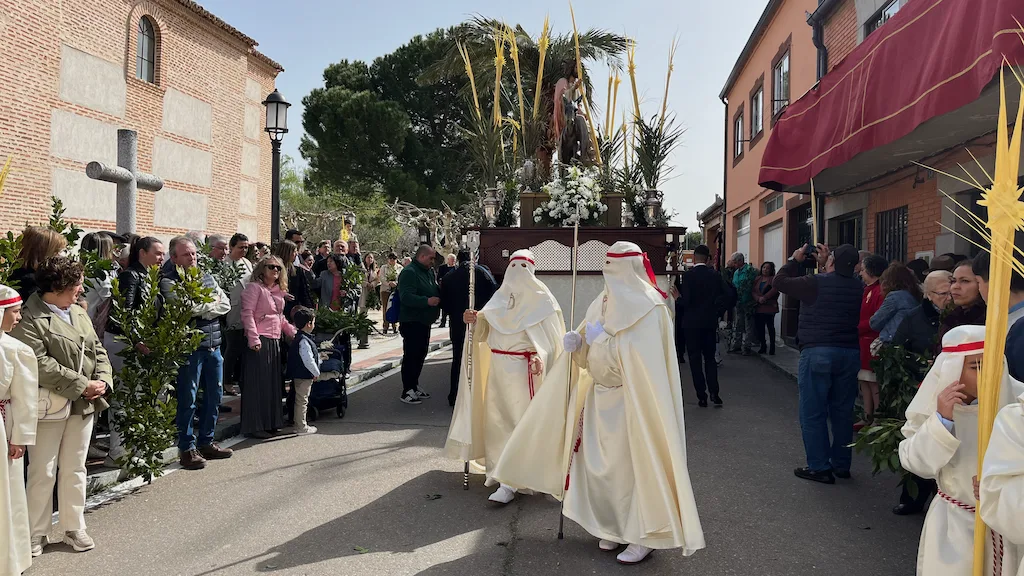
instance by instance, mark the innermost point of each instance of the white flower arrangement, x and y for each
(579, 186)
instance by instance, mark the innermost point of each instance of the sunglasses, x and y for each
(274, 267)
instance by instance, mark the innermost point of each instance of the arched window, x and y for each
(145, 58)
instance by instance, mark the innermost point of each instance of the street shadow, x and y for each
(433, 507)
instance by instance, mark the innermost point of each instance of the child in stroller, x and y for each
(329, 390)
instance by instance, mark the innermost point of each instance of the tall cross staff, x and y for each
(568, 386)
(473, 242)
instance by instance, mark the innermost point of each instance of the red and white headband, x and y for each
(647, 266)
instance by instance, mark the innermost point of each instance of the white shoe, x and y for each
(37, 546)
(305, 431)
(608, 545)
(79, 540)
(503, 495)
(634, 554)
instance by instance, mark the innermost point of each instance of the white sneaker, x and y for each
(305, 431)
(79, 540)
(503, 495)
(634, 554)
(37, 546)
(608, 545)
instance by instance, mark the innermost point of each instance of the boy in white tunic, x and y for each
(1001, 490)
(628, 481)
(19, 392)
(941, 442)
(517, 348)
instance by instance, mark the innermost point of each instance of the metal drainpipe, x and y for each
(818, 38)
(725, 186)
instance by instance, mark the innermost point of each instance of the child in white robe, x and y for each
(19, 392)
(941, 442)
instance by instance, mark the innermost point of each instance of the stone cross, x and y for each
(127, 177)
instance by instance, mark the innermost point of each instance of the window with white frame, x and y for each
(757, 113)
(743, 234)
(883, 15)
(780, 84)
(737, 131)
(772, 204)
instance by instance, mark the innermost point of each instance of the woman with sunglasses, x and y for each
(263, 318)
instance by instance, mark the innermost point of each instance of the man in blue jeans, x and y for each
(829, 355)
(204, 367)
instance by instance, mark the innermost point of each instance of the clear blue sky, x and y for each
(307, 35)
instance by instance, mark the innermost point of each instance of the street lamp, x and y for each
(277, 126)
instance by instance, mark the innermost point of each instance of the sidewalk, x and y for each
(786, 360)
(384, 354)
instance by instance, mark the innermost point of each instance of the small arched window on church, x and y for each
(145, 57)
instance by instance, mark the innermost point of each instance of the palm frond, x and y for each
(655, 142)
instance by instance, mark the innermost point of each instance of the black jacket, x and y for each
(25, 279)
(702, 299)
(829, 306)
(919, 329)
(301, 285)
(455, 290)
(129, 284)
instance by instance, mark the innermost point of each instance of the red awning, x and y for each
(931, 58)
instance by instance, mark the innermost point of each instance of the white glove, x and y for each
(594, 330)
(572, 341)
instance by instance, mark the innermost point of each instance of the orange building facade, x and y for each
(887, 193)
(776, 66)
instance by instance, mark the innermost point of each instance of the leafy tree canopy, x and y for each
(375, 126)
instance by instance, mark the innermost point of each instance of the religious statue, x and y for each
(574, 141)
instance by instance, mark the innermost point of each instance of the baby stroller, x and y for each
(329, 391)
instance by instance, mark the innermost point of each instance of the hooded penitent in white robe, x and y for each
(628, 480)
(19, 392)
(930, 450)
(521, 320)
(1002, 484)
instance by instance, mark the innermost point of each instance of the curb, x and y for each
(99, 482)
(778, 367)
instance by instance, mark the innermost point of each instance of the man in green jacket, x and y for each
(420, 302)
(743, 333)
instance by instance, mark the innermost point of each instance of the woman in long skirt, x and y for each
(264, 321)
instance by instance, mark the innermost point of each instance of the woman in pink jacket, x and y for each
(263, 319)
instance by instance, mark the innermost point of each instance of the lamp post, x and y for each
(277, 126)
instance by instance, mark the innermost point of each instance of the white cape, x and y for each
(1002, 484)
(19, 383)
(485, 416)
(629, 480)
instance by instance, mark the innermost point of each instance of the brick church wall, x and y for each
(69, 82)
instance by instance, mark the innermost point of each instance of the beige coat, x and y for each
(58, 347)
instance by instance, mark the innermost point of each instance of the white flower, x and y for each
(584, 213)
(537, 218)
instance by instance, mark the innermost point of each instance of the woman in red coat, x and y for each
(871, 269)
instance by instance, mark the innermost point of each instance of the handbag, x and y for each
(54, 407)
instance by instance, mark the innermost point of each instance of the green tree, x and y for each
(693, 239)
(374, 126)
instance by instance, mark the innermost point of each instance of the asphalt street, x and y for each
(372, 494)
